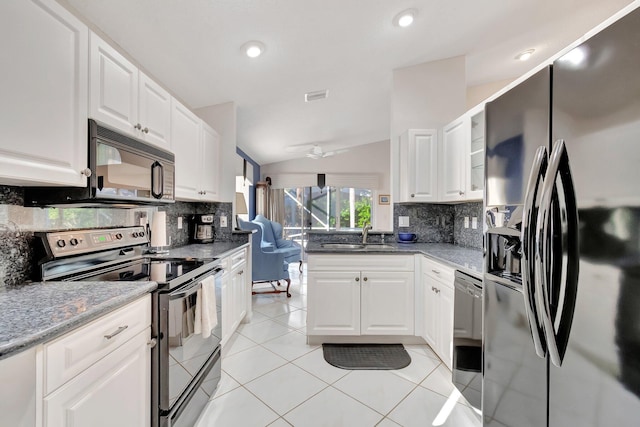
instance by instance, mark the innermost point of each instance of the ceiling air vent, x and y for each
(314, 96)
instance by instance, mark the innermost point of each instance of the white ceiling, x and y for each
(349, 47)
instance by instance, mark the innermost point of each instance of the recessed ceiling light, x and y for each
(253, 49)
(523, 56)
(405, 18)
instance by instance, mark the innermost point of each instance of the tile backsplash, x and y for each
(436, 223)
(18, 225)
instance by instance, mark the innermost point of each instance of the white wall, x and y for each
(425, 96)
(361, 160)
(477, 94)
(222, 118)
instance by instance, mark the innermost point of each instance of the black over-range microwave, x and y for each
(123, 171)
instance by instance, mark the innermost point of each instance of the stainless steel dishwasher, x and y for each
(467, 337)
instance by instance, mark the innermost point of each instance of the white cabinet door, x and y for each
(239, 293)
(227, 308)
(113, 98)
(445, 342)
(333, 303)
(419, 152)
(210, 163)
(185, 144)
(43, 82)
(452, 160)
(475, 156)
(116, 391)
(387, 303)
(154, 109)
(431, 312)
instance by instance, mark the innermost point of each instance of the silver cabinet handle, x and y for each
(138, 126)
(145, 130)
(413, 195)
(436, 271)
(365, 279)
(357, 279)
(528, 239)
(86, 172)
(117, 331)
(461, 192)
(241, 272)
(152, 343)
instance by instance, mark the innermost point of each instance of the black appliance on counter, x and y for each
(122, 171)
(467, 338)
(562, 329)
(117, 254)
(202, 228)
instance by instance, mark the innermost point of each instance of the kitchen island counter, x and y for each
(467, 260)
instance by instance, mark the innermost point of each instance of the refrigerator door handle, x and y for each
(536, 178)
(557, 187)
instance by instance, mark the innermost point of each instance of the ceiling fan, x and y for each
(317, 153)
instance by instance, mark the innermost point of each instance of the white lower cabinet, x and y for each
(360, 295)
(333, 306)
(236, 292)
(438, 292)
(113, 392)
(99, 374)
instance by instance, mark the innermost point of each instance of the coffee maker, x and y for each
(202, 230)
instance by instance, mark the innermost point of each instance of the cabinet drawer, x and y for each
(361, 262)
(74, 352)
(238, 259)
(438, 271)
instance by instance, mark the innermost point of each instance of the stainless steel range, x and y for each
(185, 366)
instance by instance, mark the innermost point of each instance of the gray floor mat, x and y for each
(366, 356)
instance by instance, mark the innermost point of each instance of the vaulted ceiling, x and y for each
(348, 47)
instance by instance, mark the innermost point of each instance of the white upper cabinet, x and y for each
(210, 167)
(419, 152)
(126, 99)
(197, 149)
(461, 173)
(154, 109)
(43, 81)
(475, 155)
(185, 144)
(114, 87)
(452, 161)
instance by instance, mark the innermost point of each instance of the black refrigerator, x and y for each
(561, 339)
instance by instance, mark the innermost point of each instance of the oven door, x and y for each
(183, 354)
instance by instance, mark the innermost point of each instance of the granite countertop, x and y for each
(468, 260)
(37, 312)
(204, 250)
(34, 313)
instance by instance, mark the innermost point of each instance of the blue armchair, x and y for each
(272, 237)
(267, 265)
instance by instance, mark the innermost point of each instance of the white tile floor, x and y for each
(271, 377)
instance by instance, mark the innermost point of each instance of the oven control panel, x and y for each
(75, 242)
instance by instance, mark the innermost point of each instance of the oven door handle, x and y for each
(193, 288)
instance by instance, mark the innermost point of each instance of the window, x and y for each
(330, 208)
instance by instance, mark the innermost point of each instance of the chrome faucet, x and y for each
(365, 232)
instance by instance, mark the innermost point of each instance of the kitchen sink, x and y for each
(341, 246)
(356, 246)
(379, 246)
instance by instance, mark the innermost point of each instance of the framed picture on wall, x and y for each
(383, 199)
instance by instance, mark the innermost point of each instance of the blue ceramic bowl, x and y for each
(407, 237)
